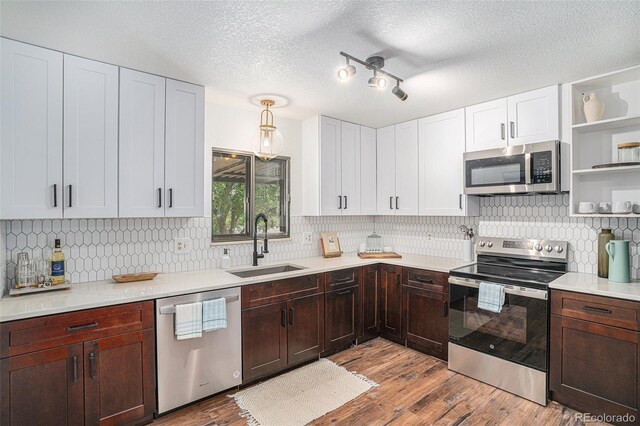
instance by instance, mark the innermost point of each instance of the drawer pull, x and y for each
(342, 293)
(343, 280)
(424, 280)
(81, 327)
(92, 365)
(597, 310)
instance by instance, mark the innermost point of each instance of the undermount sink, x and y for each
(267, 270)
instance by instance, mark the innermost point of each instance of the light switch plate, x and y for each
(182, 245)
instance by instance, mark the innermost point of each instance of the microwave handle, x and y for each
(527, 169)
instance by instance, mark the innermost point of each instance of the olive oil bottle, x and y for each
(57, 265)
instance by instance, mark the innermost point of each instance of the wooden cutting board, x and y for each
(130, 278)
(388, 255)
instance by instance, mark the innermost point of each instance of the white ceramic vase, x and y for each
(593, 107)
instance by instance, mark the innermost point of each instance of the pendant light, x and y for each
(269, 142)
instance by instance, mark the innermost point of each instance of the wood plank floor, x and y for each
(415, 389)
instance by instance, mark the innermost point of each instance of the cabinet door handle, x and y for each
(70, 195)
(92, 365)
(597, 310)
(75, 369)
(292, 314)
(170, 197)
(512, 129)
(445, 309)
(502, 132)
(81, 327)
(397, 198)
(159, 197)
(55, 195)
(339, 202)
(283, 318)
(398, 280)
(391, 203)
(345, 202)
(460, 201)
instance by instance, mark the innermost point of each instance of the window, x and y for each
(243, 186)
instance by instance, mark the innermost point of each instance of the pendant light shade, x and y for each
(269, 142)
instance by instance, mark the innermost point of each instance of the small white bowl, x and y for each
(387, 249)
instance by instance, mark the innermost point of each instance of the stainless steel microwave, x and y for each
(516, 169)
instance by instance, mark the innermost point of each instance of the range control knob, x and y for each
(559, 249)
(538, 247)
(481, 243)
(548, 248)
(490, 244)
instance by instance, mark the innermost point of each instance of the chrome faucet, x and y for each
(265, 248)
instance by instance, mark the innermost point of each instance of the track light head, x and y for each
(399, 93)
(377, 82)
(347, 72)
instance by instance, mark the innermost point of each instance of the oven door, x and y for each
(518, 333)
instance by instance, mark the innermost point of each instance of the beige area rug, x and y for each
(301, 395)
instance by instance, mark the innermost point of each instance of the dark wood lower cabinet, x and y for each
(594, 368)
(390, 303)
(119, 374)
(43, 388)
(342, 313)
(264, 340)
(426, 321)
(305, 329)
(370, 294)
(106, 380)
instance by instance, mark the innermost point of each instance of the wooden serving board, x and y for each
(129, 278)
(388, 255)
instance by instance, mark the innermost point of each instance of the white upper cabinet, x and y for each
(184, 150)
(386, 170)
(525, 118)
(406, 159)
(330, 167)
(333, 165)
(142, 124)
(350, 168)
(534, 116)
(441, 145)
(90, 138)
(368, 159)
(487, 125)
(31, 135)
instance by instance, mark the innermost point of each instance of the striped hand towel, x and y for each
(188, 320)
(214, 314)
(491, 297)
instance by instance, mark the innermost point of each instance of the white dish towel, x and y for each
(188, 321)
(491, 297)
(214, 314)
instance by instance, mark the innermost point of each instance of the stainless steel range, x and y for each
(506, 347)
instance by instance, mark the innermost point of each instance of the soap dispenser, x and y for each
(226, 259)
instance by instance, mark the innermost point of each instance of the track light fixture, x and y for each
(347, 72)
(374, 63)
(400, 94)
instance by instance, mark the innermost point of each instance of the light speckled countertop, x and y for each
(593, 284)
(104, 293)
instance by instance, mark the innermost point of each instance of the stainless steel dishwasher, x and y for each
(192, 369)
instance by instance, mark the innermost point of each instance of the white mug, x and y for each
(605, 207)
(636, 208)
(363, 247)
(587, 207)
(622, 206)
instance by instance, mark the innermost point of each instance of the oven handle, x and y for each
(533, 293)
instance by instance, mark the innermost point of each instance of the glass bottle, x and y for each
(604, 236)
(57, 265)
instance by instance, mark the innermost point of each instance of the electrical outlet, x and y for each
(307, 238)
(182, 245)
(429, 236)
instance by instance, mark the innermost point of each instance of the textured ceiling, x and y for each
(451, 54)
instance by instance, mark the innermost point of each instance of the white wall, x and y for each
(235, 128)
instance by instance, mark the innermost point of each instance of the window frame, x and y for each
(250, 212)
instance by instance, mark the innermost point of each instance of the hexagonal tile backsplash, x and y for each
(99, 248)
